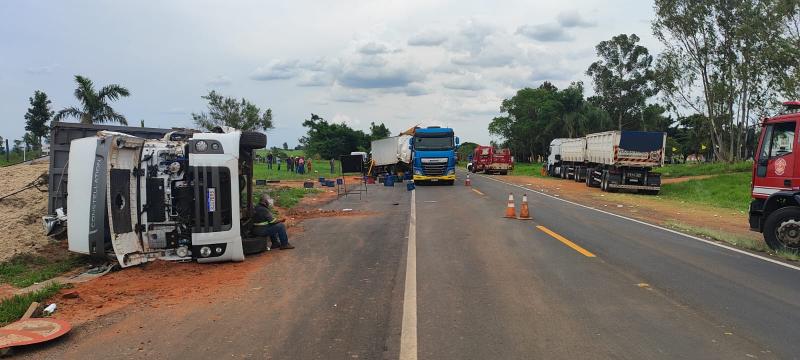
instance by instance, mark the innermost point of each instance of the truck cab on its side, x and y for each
(775, 188)
(184, 197)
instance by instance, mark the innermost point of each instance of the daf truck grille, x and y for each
(431, 169)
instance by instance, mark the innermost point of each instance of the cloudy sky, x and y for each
(401, 63)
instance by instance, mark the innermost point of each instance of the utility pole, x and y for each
(7, 151)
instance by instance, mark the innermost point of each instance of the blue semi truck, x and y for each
(433, 152)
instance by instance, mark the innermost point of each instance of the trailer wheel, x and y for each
(504, 172)
(782, 229)
(589, 172)
(604, 181)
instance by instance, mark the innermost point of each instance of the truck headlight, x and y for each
(205, 251)
(417, 172)
(201, 146)
(451, 172)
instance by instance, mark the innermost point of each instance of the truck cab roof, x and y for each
(433, 131)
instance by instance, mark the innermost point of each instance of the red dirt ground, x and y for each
(162, 283)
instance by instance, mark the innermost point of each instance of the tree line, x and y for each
(95, 108)
(726, 64)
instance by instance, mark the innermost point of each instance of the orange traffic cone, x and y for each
(524, 214)
(467, 181)
(511, 211)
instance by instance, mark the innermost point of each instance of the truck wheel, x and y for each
(588, 179)
(604, 181)
(253, 140)
(782, 229)
(504, 172)
(254, 245)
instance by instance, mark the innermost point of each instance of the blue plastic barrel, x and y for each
(389, 181)
(410, 186)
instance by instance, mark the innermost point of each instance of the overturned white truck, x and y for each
(186, 196)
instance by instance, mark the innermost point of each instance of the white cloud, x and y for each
(573, 18)
(469, 82)
(373, 48)
(544, 32)
(427, 38)
(41, 70)
(347, 120)
(276, 70)
(219, 81)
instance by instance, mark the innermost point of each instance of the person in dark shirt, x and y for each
(265, 224)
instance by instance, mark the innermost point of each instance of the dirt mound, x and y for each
(21, 214)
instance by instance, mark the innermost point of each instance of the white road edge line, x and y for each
(408, 333)
(651, 225)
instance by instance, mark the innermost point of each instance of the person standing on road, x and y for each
(269, 161)
(301, 165)
(289, 164)
(265, 224)
(332, 163)
(278, 161)
(310, 170)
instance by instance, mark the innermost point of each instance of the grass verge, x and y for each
(11, 309)
(680, 170)
(287, 197)
(737, 241)
(26, 269)
(731, 191)
(528, 169)
(320, 168)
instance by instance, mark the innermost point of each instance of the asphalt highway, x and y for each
(440, 274)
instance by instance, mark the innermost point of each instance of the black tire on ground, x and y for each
(254, 245)
(577, 174)
(588, 179)
(504, 172)
(253, 140)
(773, 223)
(604, 181)
(563, 172)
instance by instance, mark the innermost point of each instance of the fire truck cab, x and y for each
(775, 188)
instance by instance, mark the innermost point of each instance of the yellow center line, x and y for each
(565, 241)
(477, 191)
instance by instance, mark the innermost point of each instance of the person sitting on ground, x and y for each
(265, 224)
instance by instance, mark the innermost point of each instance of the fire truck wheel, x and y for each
(782, 229)
(253, 140)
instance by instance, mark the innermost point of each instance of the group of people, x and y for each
(296, 164)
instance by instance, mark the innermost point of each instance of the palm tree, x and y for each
(95, 108)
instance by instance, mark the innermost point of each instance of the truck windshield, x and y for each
(433, 143)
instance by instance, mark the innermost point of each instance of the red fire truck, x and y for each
(490, 160)
(775, 209)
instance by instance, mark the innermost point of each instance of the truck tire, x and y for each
(504, 172)
(785, 220)
(254, 245)
(588, 179)
(604, 181)
(253, 140)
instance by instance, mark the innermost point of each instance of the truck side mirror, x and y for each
(558, 157)
(457, 140)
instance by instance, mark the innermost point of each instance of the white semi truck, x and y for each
(186, 196)
(391, 154)
(611, 160)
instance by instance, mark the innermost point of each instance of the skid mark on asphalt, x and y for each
(566, 241)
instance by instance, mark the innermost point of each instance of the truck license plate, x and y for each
(211, 199)
(434, 180)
